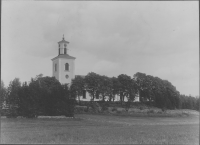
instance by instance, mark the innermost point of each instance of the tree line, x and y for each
(152, 90)
(46, 96)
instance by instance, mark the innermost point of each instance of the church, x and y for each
(63, 69)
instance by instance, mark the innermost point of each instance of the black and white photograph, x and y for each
(99, 72)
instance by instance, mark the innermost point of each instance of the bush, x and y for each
(141, 108)
(185, 114)
(150, 111)
(114, 109)
(95, 106)
(118, 112)
(149, 103)
(164, 109)
(127, 105)
(4, 112)
(84, 103)
(81, 109)
(104, 106)
(86, 109)
(159, 112)
(12, 113)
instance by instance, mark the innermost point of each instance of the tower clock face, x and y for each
(65, 45)
(66, 76)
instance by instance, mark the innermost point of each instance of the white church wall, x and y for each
(117, 98)
(87, 98)
(55, 73)
(63, 72)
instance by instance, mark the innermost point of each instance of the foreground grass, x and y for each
(101, 129)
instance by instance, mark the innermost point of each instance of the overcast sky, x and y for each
(109, 38)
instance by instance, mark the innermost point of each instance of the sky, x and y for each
(158, 38)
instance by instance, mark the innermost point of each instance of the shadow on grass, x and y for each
(148, 114)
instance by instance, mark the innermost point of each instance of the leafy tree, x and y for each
(51, 97)
(115, 87)
(13, 97)
(92, 81)
(189, 102)
(50, 91)
(197, 104)
(145, 86)
(172, 94)
(133, 90)
(123, 80)
(3, 94)
(127, 87)
(154, 89)
(105, 87)
(140, 80)
(27, 102)
(67, 102)
(78, 85)
(43, 96)
(159, 92)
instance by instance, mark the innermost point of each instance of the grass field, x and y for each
(102, 129)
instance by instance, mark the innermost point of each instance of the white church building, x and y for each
(63, 69)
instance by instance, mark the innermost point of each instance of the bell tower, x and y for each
(63, 65)
(62, 46)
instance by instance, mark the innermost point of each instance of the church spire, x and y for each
(63, 37)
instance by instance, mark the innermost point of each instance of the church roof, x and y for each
(64, 56)
(63, 41)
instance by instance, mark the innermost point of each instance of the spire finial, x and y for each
(63, 37)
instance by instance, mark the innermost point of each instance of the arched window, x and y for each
(65, 50)
(67, 66)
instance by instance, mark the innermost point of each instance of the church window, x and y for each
(84, 94)
(65, 50)
(67, 66)
(55, 67)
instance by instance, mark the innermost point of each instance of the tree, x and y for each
(51, 93)
(3, 94)
(197, 104)
(140, 82)
(67, 101)
(92, 81)
(27, 102)
(189, 102)
(78, 85)
(115, 87)
(133, 90)
(51, 97)
(105, 87)
(127, 87)
(13, 97)
(156, 90)
(144, 85)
